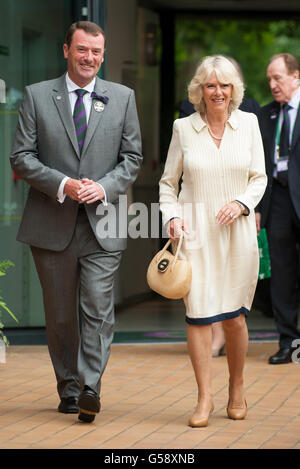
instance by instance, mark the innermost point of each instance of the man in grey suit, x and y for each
(78, 146)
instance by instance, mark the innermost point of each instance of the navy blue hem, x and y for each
(219, 317)
(248, 210)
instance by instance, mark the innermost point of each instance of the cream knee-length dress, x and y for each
(224, 259)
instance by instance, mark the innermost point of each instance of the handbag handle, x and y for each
(177, 249)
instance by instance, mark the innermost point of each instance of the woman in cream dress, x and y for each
(218, 153)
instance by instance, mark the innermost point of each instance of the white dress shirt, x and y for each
(294, 103)
(87, 100)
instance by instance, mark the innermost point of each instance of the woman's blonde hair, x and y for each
(226, 73)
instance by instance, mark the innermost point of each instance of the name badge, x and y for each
(282, 164)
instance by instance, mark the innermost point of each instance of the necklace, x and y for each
(210, 131)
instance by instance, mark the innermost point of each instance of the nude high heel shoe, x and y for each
(237, 413)
(198, 420)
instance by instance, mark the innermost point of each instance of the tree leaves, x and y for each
(250, 42)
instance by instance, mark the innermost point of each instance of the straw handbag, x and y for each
(169, 276)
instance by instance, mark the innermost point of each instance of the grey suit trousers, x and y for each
(78, 280)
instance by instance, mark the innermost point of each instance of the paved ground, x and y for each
(148, 394)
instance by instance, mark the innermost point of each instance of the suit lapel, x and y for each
(62, 102)
(95, 117)
(296, 130)
(274, 112)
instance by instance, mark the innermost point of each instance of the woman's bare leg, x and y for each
(199, 341)
(236, 333)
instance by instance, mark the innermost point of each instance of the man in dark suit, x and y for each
(279, 210)
(78, 146)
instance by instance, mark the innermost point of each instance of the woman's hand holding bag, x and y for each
(168, 275)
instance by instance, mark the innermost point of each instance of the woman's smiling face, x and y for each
(216, 95)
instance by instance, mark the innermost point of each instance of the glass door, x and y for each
(31, 38)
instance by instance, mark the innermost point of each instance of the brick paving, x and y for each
(148, 393)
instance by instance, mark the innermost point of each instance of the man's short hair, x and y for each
(87, 26)
(290, 61)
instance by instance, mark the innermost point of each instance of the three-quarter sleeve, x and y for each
(257, 178)
(169, 183)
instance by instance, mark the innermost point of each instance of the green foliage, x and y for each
(4, 265)
(250, 42)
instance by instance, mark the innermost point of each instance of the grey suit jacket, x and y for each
(45, 150)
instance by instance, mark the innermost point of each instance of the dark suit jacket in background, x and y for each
(268, 119)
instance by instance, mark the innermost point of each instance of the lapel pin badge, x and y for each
(99, 101)
(58, 98)
(98, 106)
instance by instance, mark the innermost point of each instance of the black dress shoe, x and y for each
(68, 405)
(89, 405)
(284, 355)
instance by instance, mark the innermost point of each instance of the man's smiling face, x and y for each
(85, 56)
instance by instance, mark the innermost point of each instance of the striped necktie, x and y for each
(284, 142)
(79, 117)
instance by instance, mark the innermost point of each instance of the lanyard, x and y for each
(278, 131)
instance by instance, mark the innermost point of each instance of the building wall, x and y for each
(126, 63)
(121, 38)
